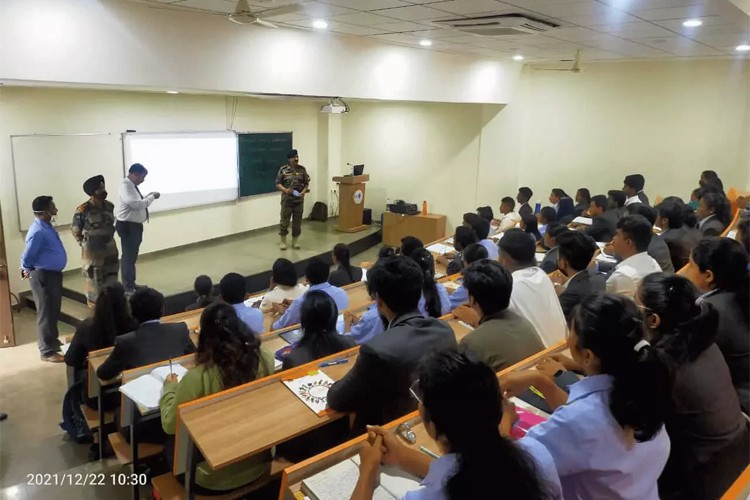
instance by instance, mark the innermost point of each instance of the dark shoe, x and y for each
(54, 358)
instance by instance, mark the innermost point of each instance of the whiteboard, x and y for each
(188, 168)
(58, 165)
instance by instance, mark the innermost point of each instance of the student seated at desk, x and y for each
(316, 273)
(530, 225)
(346, 274)
(364, 327)
(283, 285)
(713, 212)
(462, 238)
(486, 213)
(607, 436)
(718, 267)
(533, 295)
(408, 245)
(318, 321)
(708, 433)
(509, 218)
(151, 342)
(482, 229)
(502, 337)
(575, 251)
(202, 287)
(583, 201)
(630, 245)
(228, 355)
(377, 386)
(472, 253)
(461, 407)
(657, 247)
(680, 238)
(545, 216)
(603, 220)
(554, 230)
(616, 201)
(434, 300)
(233, 289)
(563, 205)
(632, 186)
(743, 234)
(524, 195)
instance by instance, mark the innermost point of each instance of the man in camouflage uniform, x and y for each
(94, 229)
(293, 182)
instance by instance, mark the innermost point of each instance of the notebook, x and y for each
(440, 248)
(145, 391)
(526, 420)
(338, 482)
(312, 389)
(583, 220)
(292, 336)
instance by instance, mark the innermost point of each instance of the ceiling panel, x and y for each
(601, 29)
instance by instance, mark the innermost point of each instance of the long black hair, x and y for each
(426, 263)
(226, 343)
(611, 327)
(531, 226)
(687, 326)
(341, 252)
(727, 260)
(111, 317)
(318, 319)
(719, 203)
(461, 396)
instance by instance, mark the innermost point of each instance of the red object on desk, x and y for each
(526, 420)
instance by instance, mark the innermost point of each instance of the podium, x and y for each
(351, 202)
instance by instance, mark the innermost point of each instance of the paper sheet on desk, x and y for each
(539, 257)
(583, 220)
(440, 248)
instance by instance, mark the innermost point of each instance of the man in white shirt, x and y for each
(631, 244)
(132, 212)
(509, 218)
(633, 189)
(533, 295)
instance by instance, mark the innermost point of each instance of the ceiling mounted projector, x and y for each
(336, 106)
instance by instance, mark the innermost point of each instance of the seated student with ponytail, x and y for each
(530, 225)
(435, 301)
(718, 267)
(462, 409)
(320, 339)
(607, 436)
(472, 253)
(346, 273)
(228, 355)
(707, 431)
(283, 285)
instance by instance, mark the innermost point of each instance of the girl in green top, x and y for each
(228, 355)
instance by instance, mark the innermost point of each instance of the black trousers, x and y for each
(131, 236)
(46, 287)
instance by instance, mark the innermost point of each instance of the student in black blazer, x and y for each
(616, 201)
(680, 238)
(549, 262)
(152, 342)
(346, 274)
(575, 251)
(377, 386)
(603, 220)
(523, 197)
(714, 213)
(318, 320)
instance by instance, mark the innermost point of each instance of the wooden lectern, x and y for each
(351, 202)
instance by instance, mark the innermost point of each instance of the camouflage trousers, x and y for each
(294, 211)
(99, 268)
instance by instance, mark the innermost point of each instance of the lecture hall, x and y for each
(375, 249)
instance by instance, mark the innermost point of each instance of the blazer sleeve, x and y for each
(188, 345)
(115, 362)
(347, 394)
(568, 300)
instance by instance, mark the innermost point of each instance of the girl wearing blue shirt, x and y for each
(435, 301)
(607, 436)
(472, 253)
(461, 408)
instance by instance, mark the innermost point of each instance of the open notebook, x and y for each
(338, 482)
(312, 389)
(145, 391)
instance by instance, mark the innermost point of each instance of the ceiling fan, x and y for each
(576, 68)
(243, 15)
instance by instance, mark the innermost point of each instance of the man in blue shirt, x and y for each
(316, 273)
(42, 262)
(233, 290)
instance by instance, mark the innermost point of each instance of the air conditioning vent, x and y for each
(498, 25)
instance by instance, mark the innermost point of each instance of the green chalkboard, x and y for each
(260, 157)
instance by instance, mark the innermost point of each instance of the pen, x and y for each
(170, 367)
(536, 391)
(334, 362)
(428, 452)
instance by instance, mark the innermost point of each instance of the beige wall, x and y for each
(27, 111)
(668, 120)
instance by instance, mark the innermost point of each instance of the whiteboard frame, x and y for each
(15, 174)
(126, 167)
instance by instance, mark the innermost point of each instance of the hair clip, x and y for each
(640, 345)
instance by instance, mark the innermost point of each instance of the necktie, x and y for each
(139, 194)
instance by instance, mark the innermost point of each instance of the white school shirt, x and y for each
(508, 221)
(534, 298)
(278, 294)
(131, 206)
(632, 199)
(629, 273)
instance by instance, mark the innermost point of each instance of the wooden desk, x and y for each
(428, 227)
(238, 423)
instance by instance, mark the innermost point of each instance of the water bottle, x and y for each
(424, 207)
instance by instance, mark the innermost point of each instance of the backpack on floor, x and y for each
(319, 212)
